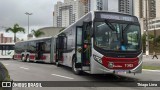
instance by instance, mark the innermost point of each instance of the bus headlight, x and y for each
(98, 59)
(140, 59)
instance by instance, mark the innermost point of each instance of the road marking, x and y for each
(6, 64)
(62, 76)
(151, 70)
(24, 68)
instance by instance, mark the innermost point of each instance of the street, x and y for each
(24, 71)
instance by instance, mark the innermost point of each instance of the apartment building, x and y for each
(4, 39)
(124, 6)
(67, 12)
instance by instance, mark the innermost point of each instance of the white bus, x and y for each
(101, 42)
(40, 49)
(98, 43)
(6, 50)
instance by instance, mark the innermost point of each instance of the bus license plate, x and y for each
(120, 72)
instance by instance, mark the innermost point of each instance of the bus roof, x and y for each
(7, 43)
(92, 13)
(35, 39)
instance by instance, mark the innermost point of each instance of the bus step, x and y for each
(86, 68)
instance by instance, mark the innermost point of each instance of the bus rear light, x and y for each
(98, 59)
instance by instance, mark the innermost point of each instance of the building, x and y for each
(4, 39)
(86, 4)
(126, 6)
(140, 8)
(50, 31)
(153, 15)
(98, 5)
(157, 8)
(67, 13)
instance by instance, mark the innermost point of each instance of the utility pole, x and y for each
(147, 40)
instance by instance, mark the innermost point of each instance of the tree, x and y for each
(16, 28)
(37, 33)
(157, 39)
(151, 39)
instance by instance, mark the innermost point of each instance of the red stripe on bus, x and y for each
(120, 63)
(43, 57)
(32, 57)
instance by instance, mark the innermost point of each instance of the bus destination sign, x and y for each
(117, 17)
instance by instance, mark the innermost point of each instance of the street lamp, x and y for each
(28, 14)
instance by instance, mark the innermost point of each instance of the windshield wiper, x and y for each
(127, 26)
(110, 25)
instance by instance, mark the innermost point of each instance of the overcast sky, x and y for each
(13, 11)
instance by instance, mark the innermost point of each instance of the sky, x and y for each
(13, 11)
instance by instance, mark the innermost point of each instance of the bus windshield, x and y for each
(117, 36)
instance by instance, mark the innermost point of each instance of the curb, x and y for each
(151, 70)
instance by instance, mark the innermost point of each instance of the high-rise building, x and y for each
(157, 8)
(124, 6)
(67, 13)
(140, 8)
(86, 4)
(98, 5)
(153, 15)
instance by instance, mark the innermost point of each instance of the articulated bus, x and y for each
(40, 49)
(101, 42)
(98, 43)
(6, 50)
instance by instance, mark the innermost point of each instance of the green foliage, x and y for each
(154, 43)
(37, 33)
(157, 39)
(15, 29)
(4, 74)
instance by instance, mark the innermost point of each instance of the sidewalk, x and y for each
(148, 61)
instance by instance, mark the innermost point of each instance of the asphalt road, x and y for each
(148, 61)
(24, 71)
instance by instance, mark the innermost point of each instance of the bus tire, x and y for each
(23, 58)
(77, 72)
(13, 57)
(27, 58)
(57, 64)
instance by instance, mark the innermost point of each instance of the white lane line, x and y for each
(6, 64)
(24, 68)
(62, 76)
(151, 70)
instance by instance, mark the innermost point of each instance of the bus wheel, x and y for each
(57, 64)
(27, 58)
(23, 58)
(13, 57)
(74, 69)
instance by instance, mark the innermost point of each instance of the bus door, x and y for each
(86, 44)
(60, 46)
(39, 50)
(4, 50)
(82, 49)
